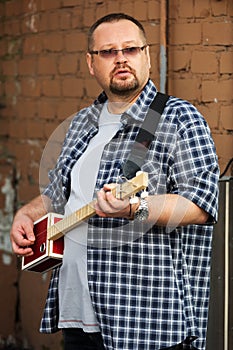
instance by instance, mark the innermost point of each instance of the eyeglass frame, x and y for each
(115, 51)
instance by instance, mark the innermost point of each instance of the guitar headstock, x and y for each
(132, 186)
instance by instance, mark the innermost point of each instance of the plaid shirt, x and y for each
(149, 285)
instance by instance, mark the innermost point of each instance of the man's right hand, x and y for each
(22, 235)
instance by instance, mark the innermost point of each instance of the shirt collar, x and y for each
(137, 111)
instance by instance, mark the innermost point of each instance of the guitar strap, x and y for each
(145, 136)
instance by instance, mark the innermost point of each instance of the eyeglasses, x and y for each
(128, 52)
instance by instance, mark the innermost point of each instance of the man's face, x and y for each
(123, 74)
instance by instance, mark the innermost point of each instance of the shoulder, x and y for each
(183, 113)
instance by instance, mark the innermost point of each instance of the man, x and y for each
(136, 276)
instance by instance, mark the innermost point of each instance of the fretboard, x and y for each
(122, 191)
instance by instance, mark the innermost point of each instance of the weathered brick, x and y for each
(153, 10)
(49, 4)
(66, 108)
(226, 62)
(27, 66)
(16, 130)
(88, 18)
(48, 133)
(30, 87)
(31, 7)
(113, 6)
(152, 33)
(53, 42)
(218, 33)
(13, 8)
(101, 9)
(91, 87)
(204, 62)
(9, 67)
(187, 88)
(47, 65)
(47, 108)
(32, 45)
(185, 33)
(230, 8)
(3, 47)
(140, 10)
(53, 21)
(224, 146)
(65, 20)
(219, 8)
(43, 22)
(69, 3)
(2, 10)
(12, 27)
(26, 108)
(14, 47)
(67, 64)
(210, 113)
(79, 17)
(36, 150)
(32, 190)
(75, 42)
(4, 127)
(31, 23)
(51, 87)
(11, 88)
(186, 9)
(213, 90)
(72, 87)
(174, 9)
(34, 128)
(202, 8)
(8, 111)
(226, 117)
(179, 59)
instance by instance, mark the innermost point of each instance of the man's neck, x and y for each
(119, 104)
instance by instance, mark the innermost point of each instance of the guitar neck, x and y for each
(122, 191)
(71, 221)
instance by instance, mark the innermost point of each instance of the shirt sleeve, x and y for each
(195, 172)
(57, 188)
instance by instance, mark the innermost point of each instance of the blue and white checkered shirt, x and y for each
(149, 285)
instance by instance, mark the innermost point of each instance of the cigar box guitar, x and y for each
(51, 228)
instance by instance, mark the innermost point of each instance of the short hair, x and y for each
(112, 17)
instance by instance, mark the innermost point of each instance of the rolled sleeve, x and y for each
(196, 171)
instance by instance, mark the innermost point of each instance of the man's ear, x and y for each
(89, 59)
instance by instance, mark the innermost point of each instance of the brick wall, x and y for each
(44, 79)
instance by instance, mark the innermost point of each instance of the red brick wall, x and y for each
(44, 79)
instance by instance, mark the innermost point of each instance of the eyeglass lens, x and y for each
(127, 52)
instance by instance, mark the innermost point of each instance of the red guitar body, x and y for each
(47, 253)
(49, 244)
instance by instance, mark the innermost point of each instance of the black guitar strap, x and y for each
(145, 136)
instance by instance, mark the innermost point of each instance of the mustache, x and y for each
(123, 66)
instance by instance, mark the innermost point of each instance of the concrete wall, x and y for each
(44, 79)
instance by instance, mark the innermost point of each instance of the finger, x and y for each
(28, 231)
(116, 203)
(22, 234)
(102, 204)
(18, 237)
(22, 251)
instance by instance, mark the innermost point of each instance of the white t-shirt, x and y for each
(75, 308)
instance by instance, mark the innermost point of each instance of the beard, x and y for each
(123, 87)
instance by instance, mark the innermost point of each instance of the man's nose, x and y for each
(120, 57)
